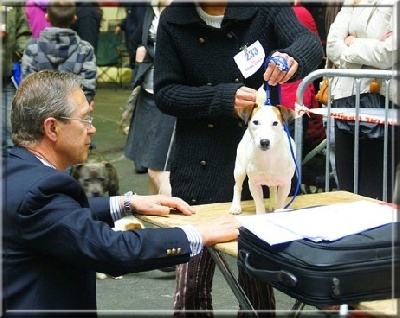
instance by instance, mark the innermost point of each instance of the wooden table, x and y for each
(207, 212)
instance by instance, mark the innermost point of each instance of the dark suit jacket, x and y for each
(54, 240)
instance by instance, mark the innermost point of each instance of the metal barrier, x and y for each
(358, 74)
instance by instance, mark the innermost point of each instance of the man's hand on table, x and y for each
(159, 205)
(218, 230)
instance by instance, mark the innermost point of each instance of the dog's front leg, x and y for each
(273, 201)
(236, 207)
(283, 193)
(258, 196)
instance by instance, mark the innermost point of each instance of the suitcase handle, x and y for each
(283, 277)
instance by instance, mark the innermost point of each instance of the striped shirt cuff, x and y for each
(194, 238)
(115, 208)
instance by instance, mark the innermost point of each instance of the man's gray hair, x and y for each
(41, 95)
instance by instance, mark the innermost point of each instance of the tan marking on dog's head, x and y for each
(284, 114)
(248, 113)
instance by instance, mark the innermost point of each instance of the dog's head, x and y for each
(96, 178)
(266, 125)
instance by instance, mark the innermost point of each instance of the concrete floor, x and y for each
(149, 293)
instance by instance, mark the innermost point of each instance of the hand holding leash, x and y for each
(280, 68)
(245, 100)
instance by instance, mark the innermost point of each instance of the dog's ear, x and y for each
(247, 113)
(113, 185)
(288, 114)
(75, 170)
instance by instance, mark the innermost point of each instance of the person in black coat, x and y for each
(198, 80)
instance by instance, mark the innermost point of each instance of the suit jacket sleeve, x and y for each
(55, 219)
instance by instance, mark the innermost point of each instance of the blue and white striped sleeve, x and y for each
(194, 238)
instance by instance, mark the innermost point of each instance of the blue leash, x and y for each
(281, 63)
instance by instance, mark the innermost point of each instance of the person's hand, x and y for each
(387, 35)
(118, 29)
(159, 205)
(140, 54)
(222, 229)
(245, 100)
(349, 40)
(273, 75)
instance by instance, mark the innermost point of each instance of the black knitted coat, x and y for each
(196, 79)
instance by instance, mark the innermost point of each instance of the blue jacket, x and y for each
(55, 239)
(62, 49)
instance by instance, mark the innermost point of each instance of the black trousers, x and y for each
(370, 171)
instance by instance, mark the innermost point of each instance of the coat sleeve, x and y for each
(371, 51)
(89, 72)
(23, 33)
(29, 59)
(338, 31)
(56, 220)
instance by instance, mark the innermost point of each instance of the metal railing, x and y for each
(358, 74)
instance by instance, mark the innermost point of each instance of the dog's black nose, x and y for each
(264, 143)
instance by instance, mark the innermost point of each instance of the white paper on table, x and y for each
(266, 230)
(328, 222)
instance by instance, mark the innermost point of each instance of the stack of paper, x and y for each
(323, 223)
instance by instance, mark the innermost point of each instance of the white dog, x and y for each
(264, 155)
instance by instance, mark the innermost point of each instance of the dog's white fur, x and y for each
(264, 156)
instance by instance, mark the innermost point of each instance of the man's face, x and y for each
(74, 137)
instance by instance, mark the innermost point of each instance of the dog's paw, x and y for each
(118, 277)
(235, 209)
(101, 276)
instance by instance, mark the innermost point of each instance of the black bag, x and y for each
(367, 100)
(355, 268)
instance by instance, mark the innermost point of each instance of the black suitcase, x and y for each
(356, 268)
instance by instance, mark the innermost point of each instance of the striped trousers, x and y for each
(194, 286)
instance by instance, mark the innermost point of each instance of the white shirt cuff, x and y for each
(115, 208)
(194, 238)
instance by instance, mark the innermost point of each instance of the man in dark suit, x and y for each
(54, 237)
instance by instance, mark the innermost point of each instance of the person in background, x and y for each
(313, 132)
(60, 48)
(35, 13)
(135, 12)
(363, 36)
(89, 16)
(150, 131)
(15, 33)
(54, 237)
(211, 59)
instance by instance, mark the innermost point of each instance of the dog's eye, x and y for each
(255, 122)
(275, 123)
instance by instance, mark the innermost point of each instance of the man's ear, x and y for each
(51, 128)
(46, 16)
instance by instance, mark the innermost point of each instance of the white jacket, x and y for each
(368, 21)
